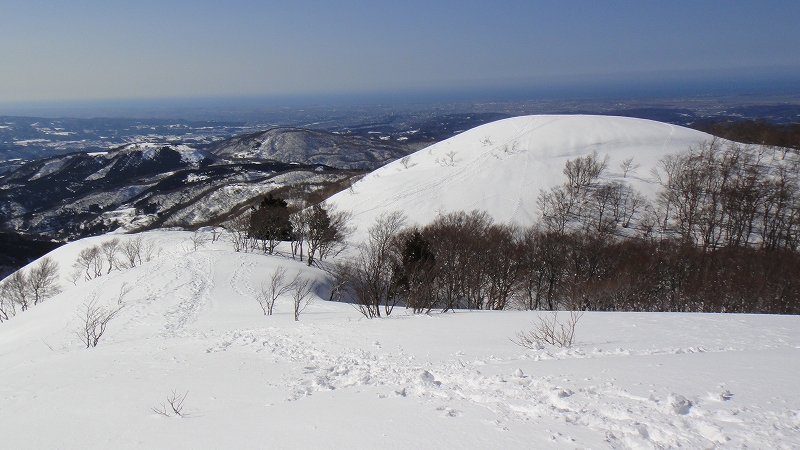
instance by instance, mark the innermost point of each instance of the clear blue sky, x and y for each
(88, 50)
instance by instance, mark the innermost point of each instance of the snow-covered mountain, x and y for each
(189, 325)
(302, 145)
(76, 194)
(501, 167)
(189, 329)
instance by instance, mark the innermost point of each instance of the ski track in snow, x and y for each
(626, 420)
(191, 281)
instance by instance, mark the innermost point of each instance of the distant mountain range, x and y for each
(300, 145)
(145, 185)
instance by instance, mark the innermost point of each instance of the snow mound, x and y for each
(502, 166)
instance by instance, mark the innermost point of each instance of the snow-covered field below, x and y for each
(190, 324)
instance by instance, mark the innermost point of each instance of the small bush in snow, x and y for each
(175, 402)
(550, 330)
(94, 320)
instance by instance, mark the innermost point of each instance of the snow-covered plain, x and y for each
(190, 324)
(336, 380)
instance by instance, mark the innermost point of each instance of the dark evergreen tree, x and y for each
(269, 222)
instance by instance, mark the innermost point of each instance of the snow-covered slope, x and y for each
(190, 323)
(502, 166)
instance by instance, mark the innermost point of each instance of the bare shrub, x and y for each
(404, 161)
(173, 406)
(277, 287)
(449, 159)
(550, 330)
(124, 290)
(94, 320)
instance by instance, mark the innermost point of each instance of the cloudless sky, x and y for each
(89, 50)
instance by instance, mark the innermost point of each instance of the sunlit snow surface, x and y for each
(336, 380)
(191, 324)
(502, 166)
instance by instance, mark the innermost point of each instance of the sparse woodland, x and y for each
(314, 233)
(722, 235)
(25, 288)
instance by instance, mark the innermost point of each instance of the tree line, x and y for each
(722, 235)
(315, 232)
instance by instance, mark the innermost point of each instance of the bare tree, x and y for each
(215, 232)
(90, 261)
(43, 280)
(371, 275)
(238, 229)
(7, 304)
(198, 240)
(627, 165)
(132, 251)
(150, 249)
(94, 320)
(270, 292)
(75, 275)
(301, 289)
(110, 249)
(16, 288)
(322, 228)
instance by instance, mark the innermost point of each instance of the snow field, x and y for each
(190, 323)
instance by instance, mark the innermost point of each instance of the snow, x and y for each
(190, 323)
(502, 166)
(49, 167)
(150, 150)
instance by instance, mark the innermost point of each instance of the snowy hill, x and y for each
(502, 166)
(189, 322)
(188, 328)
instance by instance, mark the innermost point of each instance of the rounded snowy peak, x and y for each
(501, 167)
